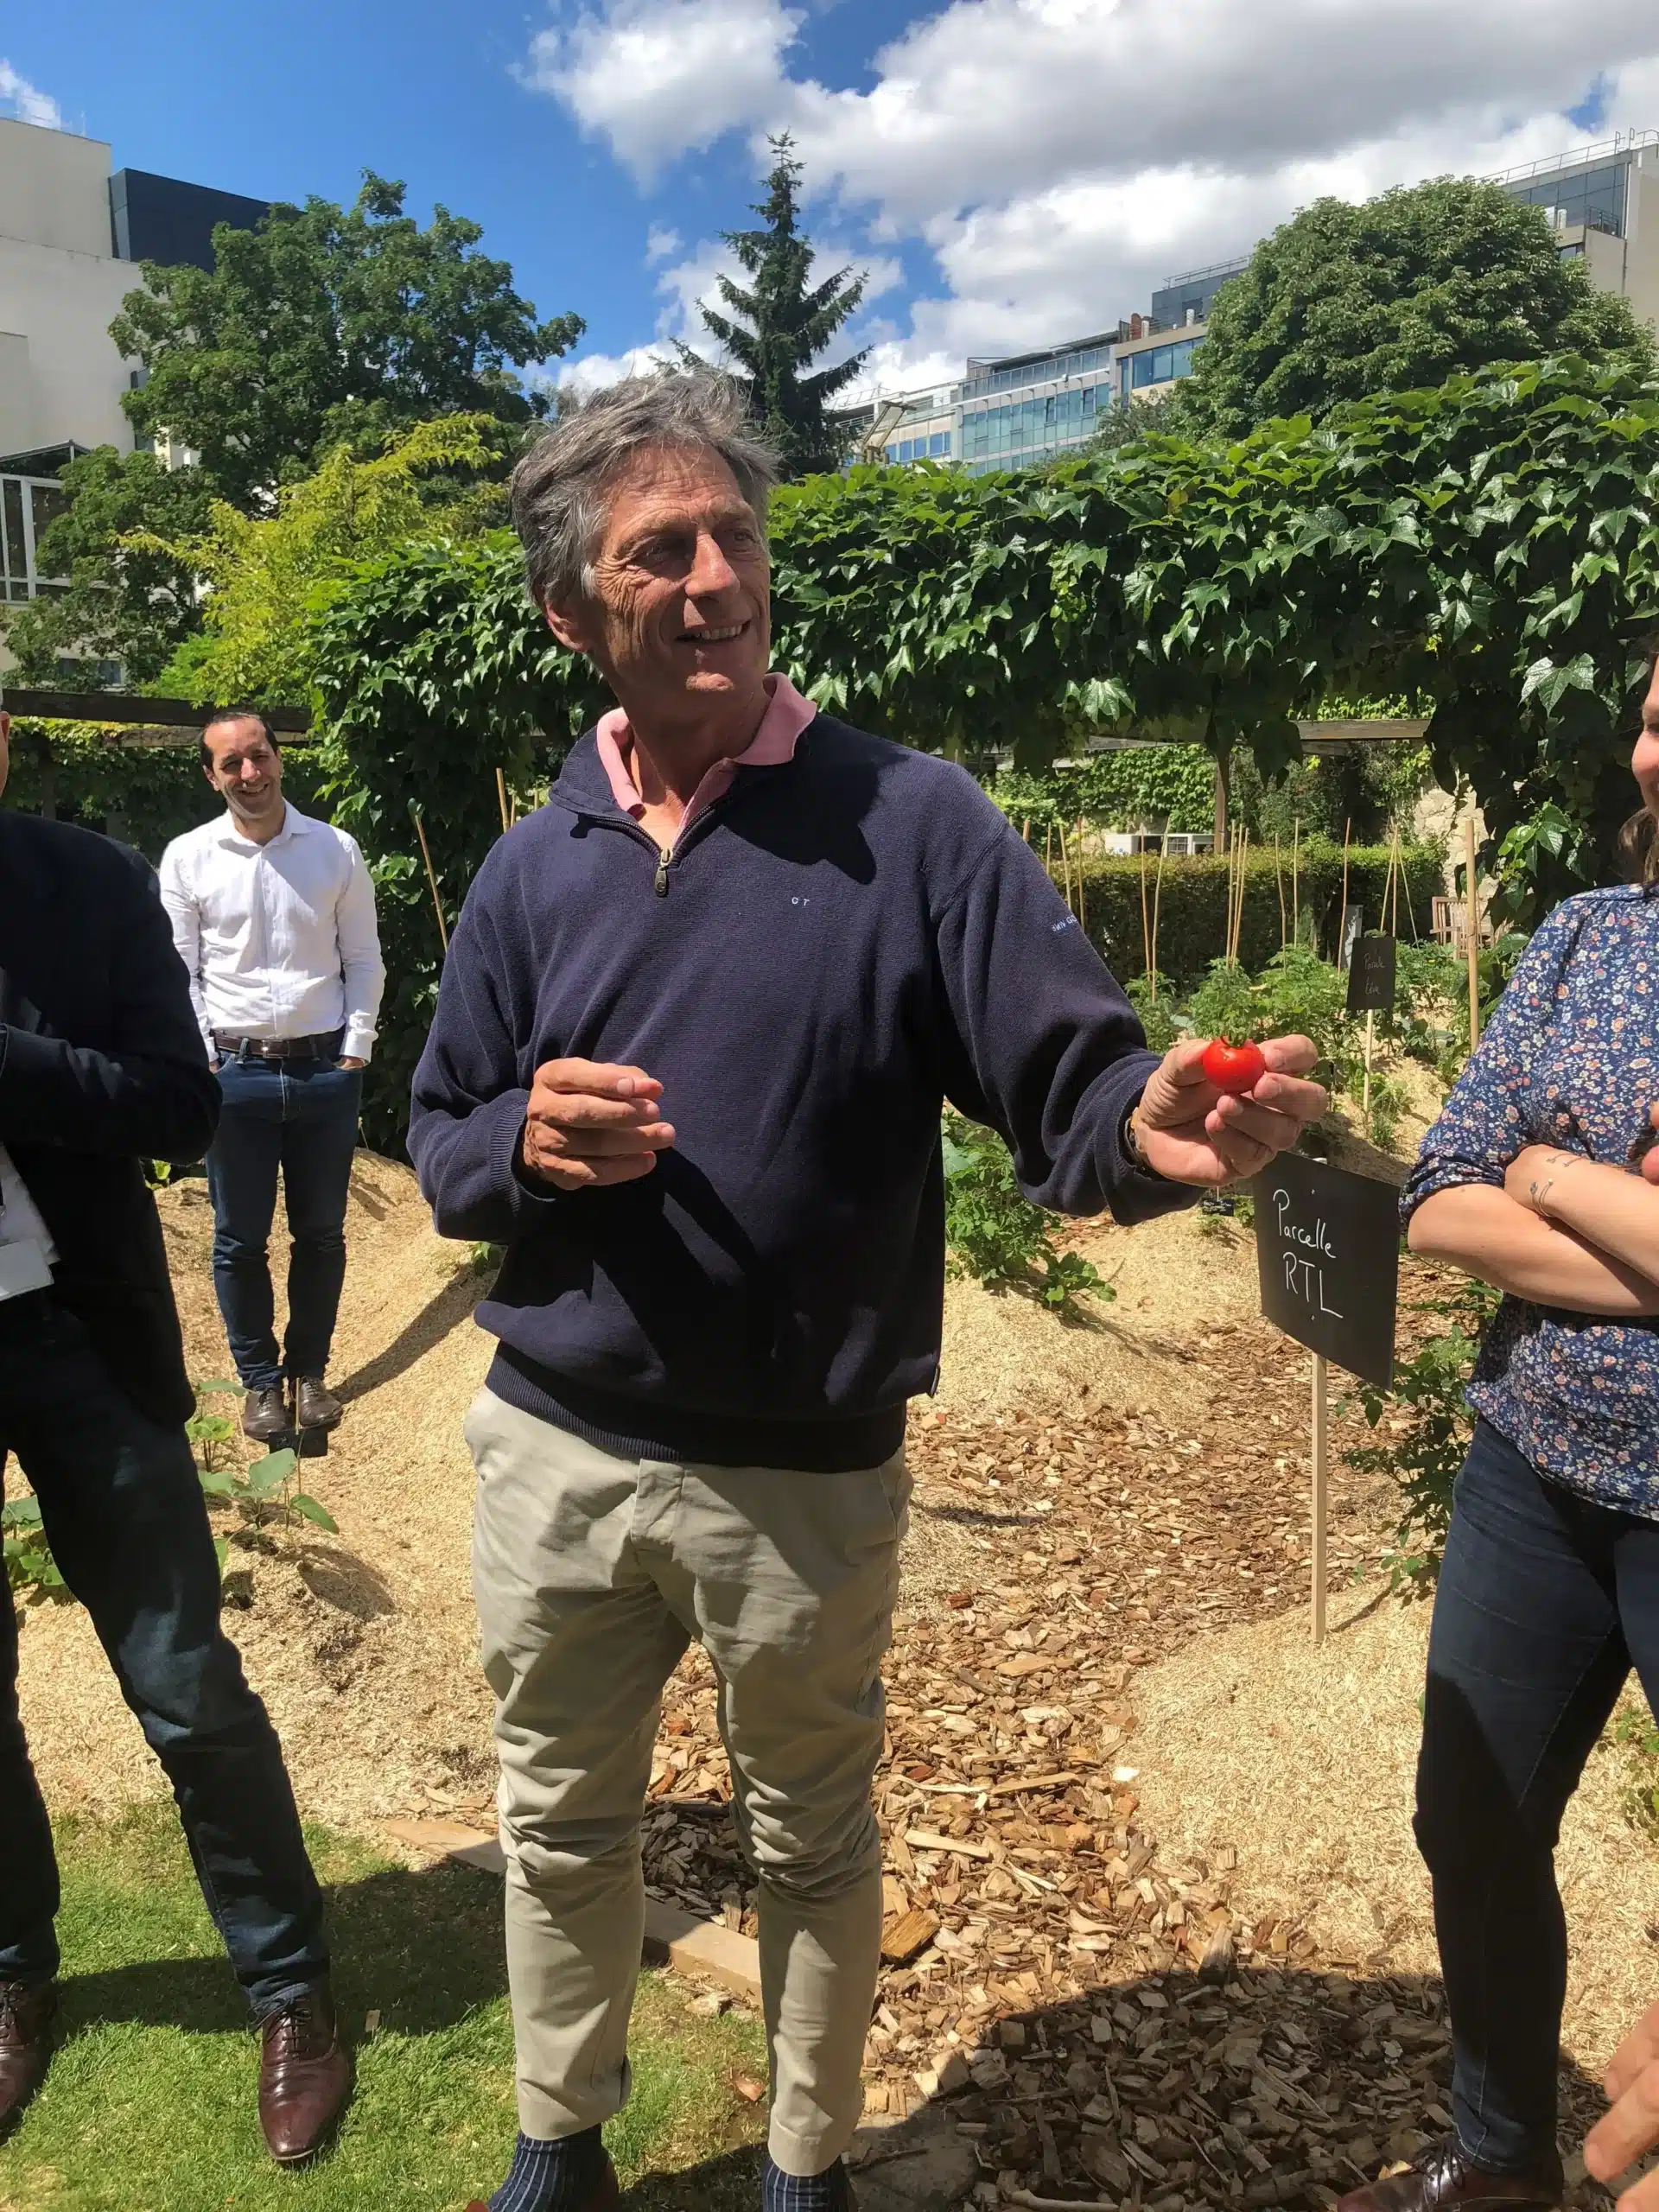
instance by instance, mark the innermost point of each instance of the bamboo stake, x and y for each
(501, 793)
(1342, 926)
(1146, 926)
(1157, 895)
(1473, 932)
(437, 904)
(1279, 879)
(1024, 830)
(1065, 871)
(1238, 911)
(1048, 850)
(1082, 886)
(1296, 883)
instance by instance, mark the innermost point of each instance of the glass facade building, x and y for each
(1155, 365)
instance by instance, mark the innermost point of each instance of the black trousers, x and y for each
(128, 1527)
(1546, 1601)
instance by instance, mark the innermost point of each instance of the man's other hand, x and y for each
(1633, 2126)
(1193, 1133)
(589, 1124)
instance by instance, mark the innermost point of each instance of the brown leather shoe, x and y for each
(305, 2076)
(1441, 2177)
(265, 1415)
(315, 1406)
(605, 2198)
(26, 2012)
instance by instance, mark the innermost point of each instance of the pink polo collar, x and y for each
(773, 743)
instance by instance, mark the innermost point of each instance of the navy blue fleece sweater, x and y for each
(842, 942)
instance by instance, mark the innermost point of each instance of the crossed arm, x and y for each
(1563, 1231)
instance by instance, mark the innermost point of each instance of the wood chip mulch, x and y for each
(1106, 2027)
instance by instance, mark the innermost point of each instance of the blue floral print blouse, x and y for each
(1572, 1058)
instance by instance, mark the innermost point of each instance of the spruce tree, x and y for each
(786, 325)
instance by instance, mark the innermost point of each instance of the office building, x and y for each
(1021, 408)
(70, 233)
(1603, 204)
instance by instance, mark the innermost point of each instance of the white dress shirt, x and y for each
(278, 939)
(27, 1252)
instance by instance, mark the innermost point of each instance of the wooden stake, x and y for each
(1321, 1485)
(437, 904)
(1370, 1047)
(1082, 886)
(1473, 913)
(1024, 830)
(1048, 851)
(501, 793)
(1279, 879)
(1157, 895)
(1342, 926)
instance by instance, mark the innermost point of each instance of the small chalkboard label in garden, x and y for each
(1328, 1250)
(1370, 976)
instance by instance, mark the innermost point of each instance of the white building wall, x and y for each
(60, 286)
(71, 379)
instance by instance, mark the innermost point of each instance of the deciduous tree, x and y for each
(1346, 301)
(329, 326)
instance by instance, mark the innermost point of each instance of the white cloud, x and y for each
(1023, 93)
(592, 372)
(1061, 158)
(27, 102)
(661, 243)
(659, 77)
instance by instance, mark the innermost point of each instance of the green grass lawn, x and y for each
(150, 2106)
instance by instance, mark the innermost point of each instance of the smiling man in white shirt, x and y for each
(273, 916)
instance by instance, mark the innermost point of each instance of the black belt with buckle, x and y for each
(325, 1048)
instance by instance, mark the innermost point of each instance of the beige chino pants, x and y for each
(593, 1573)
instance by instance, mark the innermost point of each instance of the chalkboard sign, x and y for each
(1370, 976)
(1328, 1249)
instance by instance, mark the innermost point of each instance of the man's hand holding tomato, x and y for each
(1194, 1131)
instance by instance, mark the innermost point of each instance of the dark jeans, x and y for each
(125, 1516)
(1545, 1602)
(300, 1116)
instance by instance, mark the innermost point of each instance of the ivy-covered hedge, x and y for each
(1192, 905)
(146, 794)
(1492, 546)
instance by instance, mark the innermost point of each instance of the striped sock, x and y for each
(824, 2192)
(555, 2177)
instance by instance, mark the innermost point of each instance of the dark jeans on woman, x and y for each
(125, 1515)
(1546, 1600)
(301, 1116)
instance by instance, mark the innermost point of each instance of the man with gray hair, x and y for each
(695, 1027)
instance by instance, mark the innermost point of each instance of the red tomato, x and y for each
(1233, 1067)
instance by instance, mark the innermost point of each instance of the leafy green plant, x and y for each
(995, 1233)
(1430, 1425)
(30, 1568)
(267, 1490)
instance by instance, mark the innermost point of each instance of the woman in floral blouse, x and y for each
(1541, 1177)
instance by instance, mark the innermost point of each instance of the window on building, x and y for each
(1589, 199)
(27, 507)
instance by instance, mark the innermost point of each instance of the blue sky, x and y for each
(1012, 172)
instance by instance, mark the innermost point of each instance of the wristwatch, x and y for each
(1137, 1143)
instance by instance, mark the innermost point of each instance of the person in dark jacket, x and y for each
(102, 1068)
(694, 1033)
